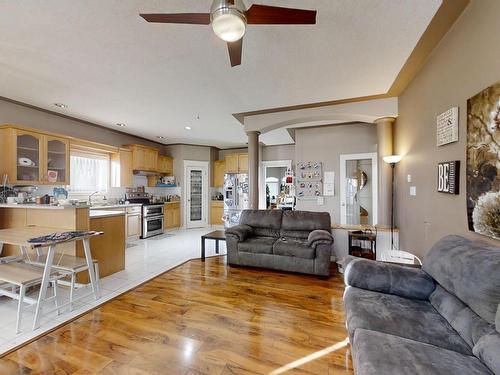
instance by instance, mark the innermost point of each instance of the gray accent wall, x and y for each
(326, 144)
(16, 114)
(465, 62)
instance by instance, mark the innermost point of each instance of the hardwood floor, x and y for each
(202, 318)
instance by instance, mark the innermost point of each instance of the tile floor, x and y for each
(144, 259)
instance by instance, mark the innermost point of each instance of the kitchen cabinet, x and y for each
(236, 163)
(144, 158)
(232, 163)
(34, 157)
(172, 215)
(133, 223)
(216, 212)
(121, 170)
(165, 165)
(243, 163)
(219, 171)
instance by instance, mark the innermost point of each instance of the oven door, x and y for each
(152, 226)
(153, 210)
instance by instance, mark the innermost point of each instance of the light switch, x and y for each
(408, 178)
(413, 190)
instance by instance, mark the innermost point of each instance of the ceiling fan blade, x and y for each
(235, 50)
(269, 15)
(188, 18)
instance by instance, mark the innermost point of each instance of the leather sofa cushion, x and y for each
(293, 247)
(265, 223)
(258, 245)
(469, 270)
(376, 353)
(413, 319)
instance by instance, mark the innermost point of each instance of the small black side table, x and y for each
(216, 235)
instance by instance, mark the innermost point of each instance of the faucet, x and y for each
(91, 195)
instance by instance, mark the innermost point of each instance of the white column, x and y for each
(253, 168)
(385, 148)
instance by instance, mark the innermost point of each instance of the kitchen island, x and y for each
(108, 249)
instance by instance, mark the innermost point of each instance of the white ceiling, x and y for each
(108, 65)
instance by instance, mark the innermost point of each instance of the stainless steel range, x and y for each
(152, 214)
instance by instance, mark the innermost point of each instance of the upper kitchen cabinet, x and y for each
(236, 163)
(165, 165)
(57, 160)
(34, 157)
(219, 170)
(121, 171)
(243, 163)
(144, 158)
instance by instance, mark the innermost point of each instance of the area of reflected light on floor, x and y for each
(310, 357)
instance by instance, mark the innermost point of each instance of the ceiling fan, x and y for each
(229, 19)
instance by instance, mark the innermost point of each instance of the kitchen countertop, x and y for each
(98, 207)
(39, 206)
(104, 213)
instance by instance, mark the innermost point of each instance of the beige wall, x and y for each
(278, 152)
(466, 61)
(326, 144)
(11, 113)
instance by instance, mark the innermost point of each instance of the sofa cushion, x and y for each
(376, 353)
(469, 270)
(259, 245)
(466, 322)
(265, 223)
(293, 247)
(487, 350)
(389, 278)
(414, 319)
(298, 224)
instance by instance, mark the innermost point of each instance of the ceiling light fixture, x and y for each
(120, 125)
(228, 22)
(160, 137)
(187, 127)
(60, 105)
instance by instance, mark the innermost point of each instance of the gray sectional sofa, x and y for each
(295, 241)
(442, 319)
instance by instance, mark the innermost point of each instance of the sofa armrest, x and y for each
(242, 231)
(389, 278)
(319, 236)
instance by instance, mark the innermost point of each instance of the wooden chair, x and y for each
(23, 275)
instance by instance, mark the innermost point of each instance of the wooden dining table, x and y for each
(21, 237)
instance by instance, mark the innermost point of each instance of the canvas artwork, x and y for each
(483, 162)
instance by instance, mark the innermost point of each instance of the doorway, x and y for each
(272, 184)
(358, 189)
(195, 194)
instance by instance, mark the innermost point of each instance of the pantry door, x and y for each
(195, 194)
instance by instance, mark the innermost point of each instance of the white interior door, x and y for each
(196, 194)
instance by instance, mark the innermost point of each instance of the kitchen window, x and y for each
(89, 172)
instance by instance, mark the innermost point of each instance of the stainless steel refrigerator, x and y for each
(235, 197)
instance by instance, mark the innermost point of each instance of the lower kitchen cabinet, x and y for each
(216, 212)
(133, 225)
(172, 215)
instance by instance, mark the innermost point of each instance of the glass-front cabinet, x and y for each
(57, 161)
(36, 158)
(28, 153)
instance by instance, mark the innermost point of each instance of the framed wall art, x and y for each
(483, 162)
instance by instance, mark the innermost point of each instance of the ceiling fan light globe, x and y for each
(229, 24)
